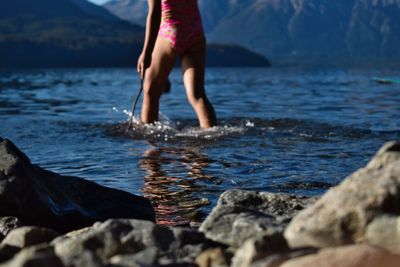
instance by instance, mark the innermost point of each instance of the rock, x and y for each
(36, 256)
(214, 257)
(9, 223)
(384, 232)
(7, 252)
(146, 257)
(120, 240)
(28, 236)
(63, 203)
(258, 248)
(233, 225)
(389, 153)
(282, 206)
(276, 260)
(347, 256)
(343, 213)
(241, 215)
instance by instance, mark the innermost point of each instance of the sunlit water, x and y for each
(280, 130)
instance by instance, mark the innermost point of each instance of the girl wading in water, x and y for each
(174, 29)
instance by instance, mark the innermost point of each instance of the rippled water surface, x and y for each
(281, 130)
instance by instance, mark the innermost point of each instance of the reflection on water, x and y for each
(172, 192)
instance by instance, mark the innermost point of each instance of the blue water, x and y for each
(281, 129)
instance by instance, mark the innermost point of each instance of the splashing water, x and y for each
(167, 130)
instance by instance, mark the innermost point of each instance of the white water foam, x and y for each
(166, 129)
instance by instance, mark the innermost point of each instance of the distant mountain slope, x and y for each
(316, 31)
(134, 11)
(95, 10)
(62, 33)
(301, 31)
(40, 8)
(76, 33)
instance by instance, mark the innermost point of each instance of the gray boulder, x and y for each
(121, 241)
(241, 215)
(282, 206)
(233, 225)
(342, 215)
(63, 203)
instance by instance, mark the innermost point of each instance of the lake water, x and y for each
(281, 130)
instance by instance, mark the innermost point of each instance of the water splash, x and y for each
(167, 130)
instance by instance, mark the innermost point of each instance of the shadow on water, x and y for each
(173, 192)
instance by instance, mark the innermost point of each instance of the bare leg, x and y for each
(193, 68)
(156, 76)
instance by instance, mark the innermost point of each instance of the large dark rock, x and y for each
(63, 203)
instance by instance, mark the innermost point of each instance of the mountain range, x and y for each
(297, 31)
(77, 33)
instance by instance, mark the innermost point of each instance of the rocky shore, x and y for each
(51, 220)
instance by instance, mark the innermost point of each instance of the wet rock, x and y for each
(214, 257)
(342, 215)
(241, 215)
(384, 232)
(8, 223)
(122, 240)
(28, 236)
(36, 256)
(347, 256)
(258, 248)
(63, 203)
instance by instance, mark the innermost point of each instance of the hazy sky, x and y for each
(98, 1)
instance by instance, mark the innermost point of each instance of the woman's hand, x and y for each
(143, 63)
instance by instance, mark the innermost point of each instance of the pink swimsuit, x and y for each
(181, 24)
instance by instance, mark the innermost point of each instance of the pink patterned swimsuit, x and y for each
(181, 24)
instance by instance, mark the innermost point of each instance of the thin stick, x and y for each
(135, 103)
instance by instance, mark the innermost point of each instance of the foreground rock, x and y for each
(347, 256)
(241, 215)
(7, 224)
(342, 215)
(120, 242)
(42, 198)
(36, 256)
(384, 232)
(28, 236)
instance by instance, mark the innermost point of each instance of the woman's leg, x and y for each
(155, 80)
(193, 68)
